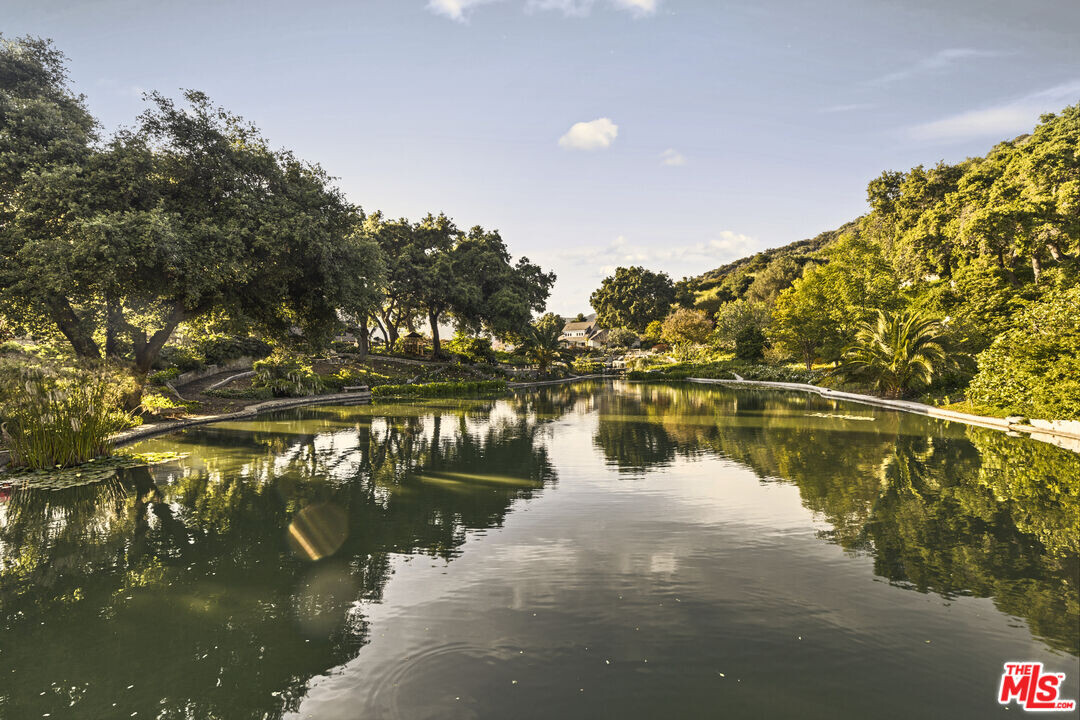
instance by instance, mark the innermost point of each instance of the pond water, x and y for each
(584, 551)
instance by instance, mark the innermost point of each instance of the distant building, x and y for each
(583, 333)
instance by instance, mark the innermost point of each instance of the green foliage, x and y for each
(686, 327)
(435, 269)
(60, 416)
(472, 349)
(750, 343)
(726, 370)
(632, 298)
(621, 337)
(286, 375)
(158, 403)
(440, 389)
(189, 213)
(1033, 368)
(163, 376)
(10, 347)
(896, 353)
(587, 366)
(542, 341)
(736, 317)
(182, 358)
(88, 473)
(351, 377)
(819, 314)
(219, 349)
(654, 333)
(249, 393)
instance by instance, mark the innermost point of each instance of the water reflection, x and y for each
(221, 584)
(942, 508)
(182, 576)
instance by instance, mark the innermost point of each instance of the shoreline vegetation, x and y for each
(194, 271)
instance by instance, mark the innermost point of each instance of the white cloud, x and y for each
(940, 60)
(677, 259)
(593, 135)
(459, 9)
(999, 121)
(570, 8)
(637, 7)
(454, 9)
(672, 158)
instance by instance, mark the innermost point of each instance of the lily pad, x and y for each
(89, 473)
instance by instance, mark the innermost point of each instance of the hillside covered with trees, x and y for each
(961, 280)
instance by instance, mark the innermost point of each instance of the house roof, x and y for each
(572, 326)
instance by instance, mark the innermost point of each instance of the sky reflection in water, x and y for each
(593, 550)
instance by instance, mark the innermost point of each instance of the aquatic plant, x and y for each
(58, 417)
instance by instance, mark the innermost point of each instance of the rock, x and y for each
(1016, 420)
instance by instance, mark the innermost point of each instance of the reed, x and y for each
(59, 417)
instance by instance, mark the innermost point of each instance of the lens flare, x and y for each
(318, 531)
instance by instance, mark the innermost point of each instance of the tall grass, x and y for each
(57, 417)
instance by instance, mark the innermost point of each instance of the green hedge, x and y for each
(440, 389)
(249, 393)
(727, 370)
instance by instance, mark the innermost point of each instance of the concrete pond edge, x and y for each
(1063, 433)
(142, 432)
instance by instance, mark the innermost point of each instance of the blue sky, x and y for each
(676, 134)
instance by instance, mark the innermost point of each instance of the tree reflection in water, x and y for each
(960, 511)
(190, 564)
(181, 580)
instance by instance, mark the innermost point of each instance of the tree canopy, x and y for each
(632, 298)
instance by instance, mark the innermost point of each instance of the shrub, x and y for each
(621, 337)
(587, 366)
(161, 377)
(156, 403)
(248, 393)
(346, 377)
(750, 344)
(182, 358)
(1033, 368)
(472, 349)
(286, 375)
(11, 347)
(219, 349)
(440, 389)
(58, 417)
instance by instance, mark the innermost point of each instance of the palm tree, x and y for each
(897, 352)
(542, 340)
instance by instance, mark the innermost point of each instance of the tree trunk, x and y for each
(68, 322)
(436, 347)
(390, 330)
(147, 351)
(1056, 252)
(1036, 266)
(363, 344)
(114, 326)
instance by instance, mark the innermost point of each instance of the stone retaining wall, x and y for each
(243, 363)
